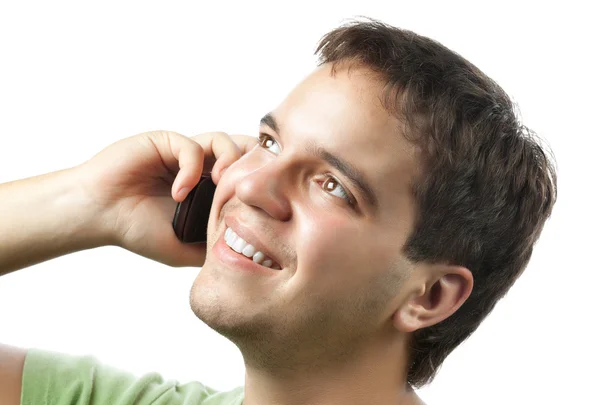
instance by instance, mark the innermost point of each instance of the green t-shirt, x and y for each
(51, 378)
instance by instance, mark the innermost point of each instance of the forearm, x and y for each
(45, 217)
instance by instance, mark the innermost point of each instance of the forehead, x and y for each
(344, 114)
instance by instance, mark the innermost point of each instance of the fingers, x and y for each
(212, 151)
(224, 149)
(225, 152)
(244, 142)
(177, 150)
(191, 163)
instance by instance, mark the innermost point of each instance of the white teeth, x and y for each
(241, 246)
(258, 257)
(249, 251)
(238, 245)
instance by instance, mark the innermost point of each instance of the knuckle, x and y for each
(231, 144)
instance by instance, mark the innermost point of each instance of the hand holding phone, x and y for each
(127, 201)
(190, 221)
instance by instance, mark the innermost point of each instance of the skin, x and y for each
(334, 325)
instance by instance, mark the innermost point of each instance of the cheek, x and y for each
(335, 255)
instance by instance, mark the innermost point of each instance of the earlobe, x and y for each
(406, 319)
(436, 301)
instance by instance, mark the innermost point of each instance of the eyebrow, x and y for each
(347, 168)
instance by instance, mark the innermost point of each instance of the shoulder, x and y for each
(47, 375)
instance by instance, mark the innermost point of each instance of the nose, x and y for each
(264, 188)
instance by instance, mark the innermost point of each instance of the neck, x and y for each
(372, 374)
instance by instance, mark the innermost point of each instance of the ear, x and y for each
(436, 298)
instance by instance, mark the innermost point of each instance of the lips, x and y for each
(246, 250)
(249, 236)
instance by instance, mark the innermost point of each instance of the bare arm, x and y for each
(12, 360)
(119, 197)
(45, 217)
(41, 218)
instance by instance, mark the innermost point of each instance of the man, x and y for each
(393, 197)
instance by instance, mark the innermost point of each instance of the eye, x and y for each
(343, 194)
(267, 142)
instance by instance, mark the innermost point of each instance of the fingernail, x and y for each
(182, 192)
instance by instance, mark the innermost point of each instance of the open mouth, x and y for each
(245, 249)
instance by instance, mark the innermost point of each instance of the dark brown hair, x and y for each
(487, 185)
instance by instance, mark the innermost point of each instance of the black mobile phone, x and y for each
(190, 221)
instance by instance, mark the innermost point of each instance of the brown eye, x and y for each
(267, 141)
(332, 184)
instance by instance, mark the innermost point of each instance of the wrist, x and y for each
(91, 222)
(45, 217)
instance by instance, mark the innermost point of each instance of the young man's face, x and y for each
(342, 268)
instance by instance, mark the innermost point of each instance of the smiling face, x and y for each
(339, 245)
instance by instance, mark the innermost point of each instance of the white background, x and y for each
(76, 77)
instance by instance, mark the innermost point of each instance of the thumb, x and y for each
(169, 250)
(188, 255)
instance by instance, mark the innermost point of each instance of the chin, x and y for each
(225, 312)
